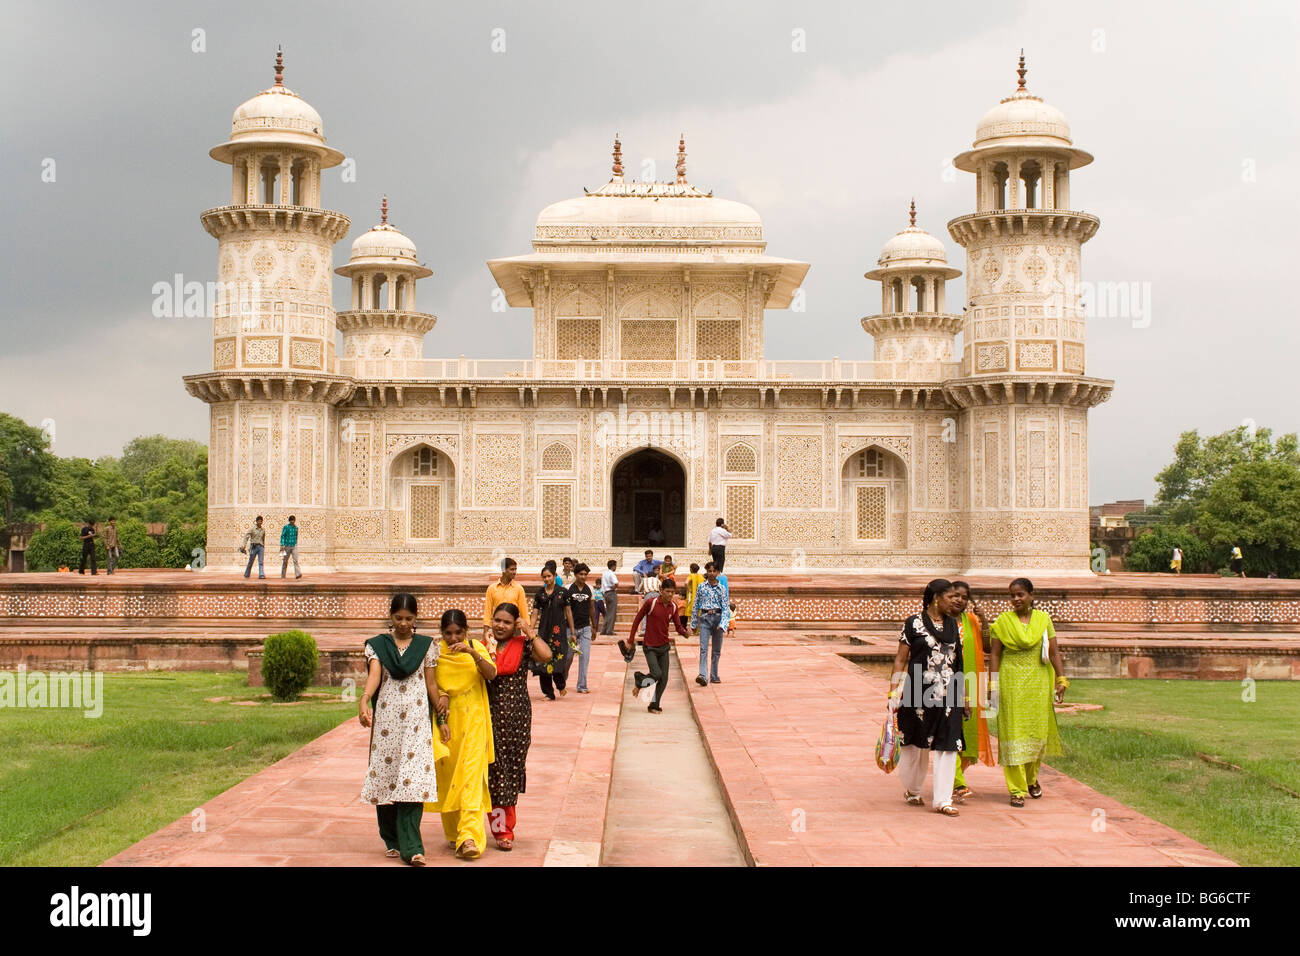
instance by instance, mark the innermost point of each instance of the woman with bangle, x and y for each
(974, 628)
(1027, 665)
(400, 669)
(929, 698)
(464, 668)
(512, 719)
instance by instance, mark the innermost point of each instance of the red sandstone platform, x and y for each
(791, 734)
(1141, 625)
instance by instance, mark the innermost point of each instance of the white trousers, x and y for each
(912, 765)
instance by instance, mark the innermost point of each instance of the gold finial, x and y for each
(1022, 71)
(279, 65)
(618, 159)
(681, 159)
(383, 211)
(912, 213)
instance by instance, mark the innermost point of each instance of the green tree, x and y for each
(1152, 550)
(84, 489)
(26, 469)
(145, 454)
(1255, 505)
(1199, 462)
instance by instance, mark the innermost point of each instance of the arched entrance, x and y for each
(649, 493)
(422, 496)
(874, 496)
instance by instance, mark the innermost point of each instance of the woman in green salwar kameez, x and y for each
(1027, 665)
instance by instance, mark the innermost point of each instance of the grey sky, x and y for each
(1188, 108)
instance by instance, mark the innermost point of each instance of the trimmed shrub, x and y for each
(289, 663)
(58, 545)
(179, 543)
(138, 549)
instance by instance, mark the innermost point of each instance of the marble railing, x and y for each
(705, 372)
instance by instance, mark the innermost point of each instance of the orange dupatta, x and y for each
(984, 746)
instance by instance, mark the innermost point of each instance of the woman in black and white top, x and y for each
(929, 697)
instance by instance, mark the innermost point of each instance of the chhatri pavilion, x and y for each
(649, 407)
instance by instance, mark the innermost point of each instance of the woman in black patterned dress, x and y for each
(512, 719)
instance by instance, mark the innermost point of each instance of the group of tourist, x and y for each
(472, 769)
(254, 545)
(934, 693)
(475, 691)
(112, 546)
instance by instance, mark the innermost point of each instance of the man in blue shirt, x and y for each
(710, 615)
(289, 548)
(644, 568)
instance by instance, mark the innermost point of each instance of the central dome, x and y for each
(645, 206)
(632, 213)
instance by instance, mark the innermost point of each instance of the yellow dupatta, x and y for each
(1011, 632)
(462, 762)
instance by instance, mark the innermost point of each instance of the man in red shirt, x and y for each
(657, 614)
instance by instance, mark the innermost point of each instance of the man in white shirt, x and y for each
(609, 584)
(718, 539)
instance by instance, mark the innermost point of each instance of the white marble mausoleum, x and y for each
(649, 407)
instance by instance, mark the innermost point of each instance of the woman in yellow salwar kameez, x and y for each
(975, 728)
(1026, 666)
(464, 668)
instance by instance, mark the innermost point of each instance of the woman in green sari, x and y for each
(1027, 665)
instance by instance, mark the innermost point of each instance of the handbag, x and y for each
(887, 745)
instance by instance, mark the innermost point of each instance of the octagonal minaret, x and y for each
(274, 382)
(382, 331)
(913, 328)
(1023, 431)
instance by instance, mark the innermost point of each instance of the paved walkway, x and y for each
(792, 731)
(306, 809)
(665, 807)
(791, 735)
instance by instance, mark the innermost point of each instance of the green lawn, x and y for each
(1142, 750)
(75, 791)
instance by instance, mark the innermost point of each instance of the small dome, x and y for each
(277, 115)
(383, 245)
(913, 244)
(1023, 115)
(277, 109)
(383, 241)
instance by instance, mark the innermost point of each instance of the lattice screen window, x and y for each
(648, 340)
(426, 511)
(557, 512)
(871, 463)
(741, 508)
(424, 463)
(577, 338)
(557, 457)
(873, 516)
(741, 458)
(717, 339)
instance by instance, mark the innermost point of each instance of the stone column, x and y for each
(286, 187)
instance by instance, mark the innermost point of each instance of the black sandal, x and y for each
(1035, 790)
(1017, 801)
